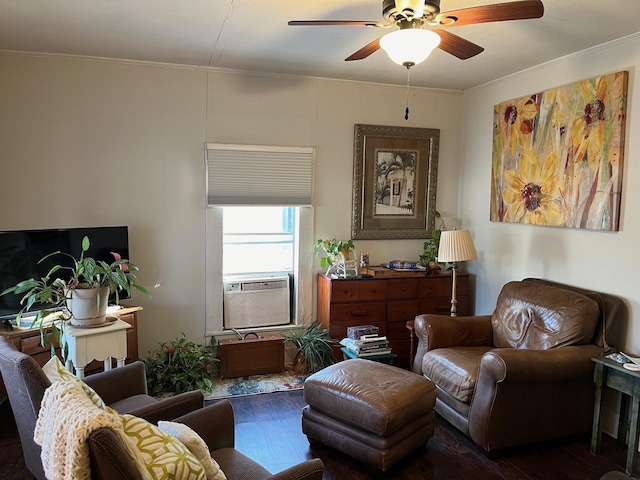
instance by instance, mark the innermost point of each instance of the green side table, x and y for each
(613, 375)
(387, 358)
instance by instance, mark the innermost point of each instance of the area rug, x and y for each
(256, 384)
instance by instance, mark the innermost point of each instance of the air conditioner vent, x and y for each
(256, 302)
(266, 285)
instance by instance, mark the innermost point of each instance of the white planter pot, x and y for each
(88, 306)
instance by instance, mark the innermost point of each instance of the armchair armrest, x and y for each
(307, 470)
(526, 396)
(538, 366)
(440, 331)
(171, 407)
(215, 424)
(119, 383)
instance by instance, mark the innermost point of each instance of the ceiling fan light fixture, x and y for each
(409, 46)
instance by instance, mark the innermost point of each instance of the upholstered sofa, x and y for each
(523, 374)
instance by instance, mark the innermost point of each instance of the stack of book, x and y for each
(367, 345)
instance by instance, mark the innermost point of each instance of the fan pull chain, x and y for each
(406, 110)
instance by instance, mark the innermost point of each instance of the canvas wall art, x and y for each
(558, 155)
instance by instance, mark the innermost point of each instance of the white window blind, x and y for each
(259, 175)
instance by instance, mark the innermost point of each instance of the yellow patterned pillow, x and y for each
(55, 371)
(163, 456)
(196, 445)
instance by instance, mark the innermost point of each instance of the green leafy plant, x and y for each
(314, 345)
(328, 250)
(430, 253)
(181, 366)
(53, 290)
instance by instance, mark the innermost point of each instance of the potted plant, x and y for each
(314, 347)
(181, 366)
(82, 296)
(334, 251)
(429, 257)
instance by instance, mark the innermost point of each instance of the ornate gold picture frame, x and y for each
(395, 173)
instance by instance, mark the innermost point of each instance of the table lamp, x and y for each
(456, 246)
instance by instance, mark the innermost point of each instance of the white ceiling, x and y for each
(253, 35)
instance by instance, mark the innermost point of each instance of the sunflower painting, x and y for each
(558, 155)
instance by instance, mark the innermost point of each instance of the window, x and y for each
(258, 240)
(259, 222)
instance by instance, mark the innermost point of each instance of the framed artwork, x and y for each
(394, 182)
(558, 155)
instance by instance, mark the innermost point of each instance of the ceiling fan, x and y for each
(414, 38)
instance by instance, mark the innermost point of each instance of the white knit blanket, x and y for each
(66, 419)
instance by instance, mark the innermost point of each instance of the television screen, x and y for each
(21, 250)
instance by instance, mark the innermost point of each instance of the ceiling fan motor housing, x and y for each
(396, 10)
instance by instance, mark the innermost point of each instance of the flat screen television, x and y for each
(21, 250)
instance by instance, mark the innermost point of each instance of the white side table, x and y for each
(96, 343)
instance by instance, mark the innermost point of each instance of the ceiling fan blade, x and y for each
(365, 51)
(492, 13)
(457, 46)
(348, 23)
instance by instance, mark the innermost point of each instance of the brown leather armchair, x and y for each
(523, 374)
(124, 389)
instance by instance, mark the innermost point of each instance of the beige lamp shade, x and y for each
(456, 246)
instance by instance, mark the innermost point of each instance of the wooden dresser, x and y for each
(388, 303)
(28, 341)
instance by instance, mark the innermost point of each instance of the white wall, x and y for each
(88, 142)
(605, 261)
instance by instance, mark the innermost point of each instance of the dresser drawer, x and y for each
(442, 306)
(373, 290)
(345, 291)
(31, 345)
(398, 310)
(405, 288)
(434, 286)
(362, 313)
(398, 331)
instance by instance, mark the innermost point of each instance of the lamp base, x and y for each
(454, 281)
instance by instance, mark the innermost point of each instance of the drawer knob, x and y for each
(359, 313)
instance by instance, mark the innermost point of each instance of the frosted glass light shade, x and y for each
(456, 246)
(409, 46)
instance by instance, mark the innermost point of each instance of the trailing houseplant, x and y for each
(429, 257)
(332, 250)
(79, 297)
(181, 366)
(314, 347)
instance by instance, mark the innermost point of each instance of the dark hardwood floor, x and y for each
(268, 430)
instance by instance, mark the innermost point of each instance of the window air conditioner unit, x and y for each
(256, 302)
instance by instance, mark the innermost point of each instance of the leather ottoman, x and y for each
(371, 411)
